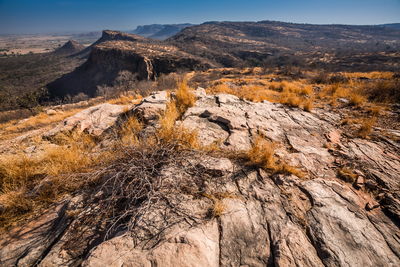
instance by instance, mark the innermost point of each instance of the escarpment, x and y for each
(116, 52)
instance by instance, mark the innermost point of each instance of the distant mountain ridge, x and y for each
(160, 31)
(231, 44)
(392, 25)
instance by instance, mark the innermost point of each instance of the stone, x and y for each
(216, 166)
(94, 120)
(372, 205)
(200, 92)
(51, 112)
(25, 246)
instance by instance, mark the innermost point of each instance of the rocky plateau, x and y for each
(264, 219)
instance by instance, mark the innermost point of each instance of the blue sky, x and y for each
(46, 16)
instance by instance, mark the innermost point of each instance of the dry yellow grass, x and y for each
(369, 75)
(218, 207)
(262, 154)
(37, 121)
(130, 130)
(20, 173)
(366, 127)
(124, 99)
(184, 97)
(347, 175)
(295, 94)
(171, 133)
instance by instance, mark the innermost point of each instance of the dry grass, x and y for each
(347, 175)
(369, 75)
(382, 90)
(125, 99)
(169, 132)
(294, 94)
(184, 97)
(28, 181)
(130, 130)
(37, 121)
(262, 154)
(366, 127)
(218, 208)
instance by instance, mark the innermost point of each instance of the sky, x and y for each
(56, 16)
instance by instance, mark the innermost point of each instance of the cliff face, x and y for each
(117, 52)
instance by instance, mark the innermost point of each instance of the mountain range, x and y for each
(159, 31)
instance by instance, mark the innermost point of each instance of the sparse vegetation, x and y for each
(347, 175)
(29, 181)
(366, 127)
(262, 154)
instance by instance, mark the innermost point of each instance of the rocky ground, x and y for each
(214, 209)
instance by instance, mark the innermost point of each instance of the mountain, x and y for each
(392, 25)
(69, 48)
(160, 31)
(232, 44)
(115, 52)
(238, 43)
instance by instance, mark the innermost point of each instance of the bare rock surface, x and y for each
(94, 120)
(224, 213)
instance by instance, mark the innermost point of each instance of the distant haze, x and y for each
(52, 16)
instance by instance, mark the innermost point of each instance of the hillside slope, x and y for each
(161, 202)
(233, 43)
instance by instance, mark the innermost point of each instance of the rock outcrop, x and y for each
(115, 52)
(223, 212)
(94, 120)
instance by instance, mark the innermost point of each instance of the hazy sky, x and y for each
(42, 16)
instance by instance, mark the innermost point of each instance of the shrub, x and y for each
(383, 90)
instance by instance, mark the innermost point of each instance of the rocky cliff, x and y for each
(115, 52)
(214, 209)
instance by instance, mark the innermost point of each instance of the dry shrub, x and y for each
(366, 127)
(321, 78)
(382, 90)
